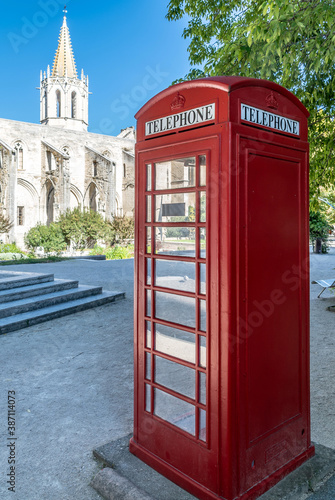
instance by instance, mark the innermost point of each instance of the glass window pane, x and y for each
(148, 366)
(175, 411)
(202, 165)
(175, 274)
(202, 388)
(202, 279)
(148, 334)
(175, 342)
(175, 308)
(148, 177)
(202, 425)
(147, 398)
(148, 209)
(148, 242)
(148, 264)
(176, 207)
(174, 376)
(202, 315)
(175, 174)
(148, 303)
(203, 206)
(203, 351)
(202, 242)
(175, 241)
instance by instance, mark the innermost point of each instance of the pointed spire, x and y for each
(64, 63)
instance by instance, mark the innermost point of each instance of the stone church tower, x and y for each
(63, 96)
(48, 168)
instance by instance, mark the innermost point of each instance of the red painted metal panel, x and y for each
(273, 307)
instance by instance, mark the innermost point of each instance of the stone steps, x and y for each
(27, 299)
(10, 279)
(36, 289)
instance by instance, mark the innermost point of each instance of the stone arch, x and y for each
(92, 193)
(92, 197)
(27, 215)
(74, 104)
(22, 141)
(20, 150)
(45, 104)
(47, 202)
(50, 203)
(29, 187)
(118, 205)
(76, 197)
(58, 104)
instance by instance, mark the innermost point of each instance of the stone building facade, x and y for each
(49, 167)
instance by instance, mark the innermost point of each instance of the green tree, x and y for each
(121, 228)
(291, 43)
(82, 227)
(319, 229)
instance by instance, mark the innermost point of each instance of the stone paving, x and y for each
(322, 352)
(73, 379)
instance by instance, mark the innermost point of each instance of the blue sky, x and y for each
(127, 48)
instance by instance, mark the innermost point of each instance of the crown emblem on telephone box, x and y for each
(178, 102)
(271, 101)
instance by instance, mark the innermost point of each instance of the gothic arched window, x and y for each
(19, 155)
(58, 104)
(95, 169)
(93, 197)
(45, 105)
(73, 105)
(50, 200)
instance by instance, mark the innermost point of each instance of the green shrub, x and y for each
(10, 247)
(115, 252)
(50, 238)
(12, 256)
(118, 252)
(97, 250)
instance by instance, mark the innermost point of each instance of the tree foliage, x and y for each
(319, 229)
(120, 229)
(5, 224)
(290, 43)
(82, 227)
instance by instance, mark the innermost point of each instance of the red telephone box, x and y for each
(221, 293)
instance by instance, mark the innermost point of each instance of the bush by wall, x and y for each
(50, 238)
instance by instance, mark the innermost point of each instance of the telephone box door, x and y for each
(175, 220)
